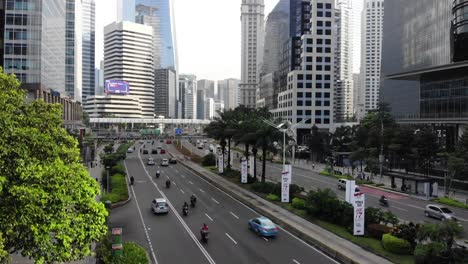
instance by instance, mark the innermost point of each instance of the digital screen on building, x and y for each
(117, 87)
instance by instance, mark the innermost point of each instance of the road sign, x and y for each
(178, 131)
(244, 170)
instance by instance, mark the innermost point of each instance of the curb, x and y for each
(309, 239)
(392, 191)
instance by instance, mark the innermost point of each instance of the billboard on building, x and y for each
(116, 87)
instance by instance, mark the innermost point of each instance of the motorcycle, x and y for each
(204, 235)
(384, 202)
(193, 201)
(185, 210)
(168, 184)
(158, 174)
(132, 180)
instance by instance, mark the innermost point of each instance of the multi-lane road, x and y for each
(174, 238)
(405, 207)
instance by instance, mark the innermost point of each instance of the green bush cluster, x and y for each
(377, 230)
(132, 254)
(431, 253)
(119, 191)
(396, 245)
(298, 203)
(275, 188)
(448, 201)
(407, 232)
(325, 205)
(209, 160)
(273, 197)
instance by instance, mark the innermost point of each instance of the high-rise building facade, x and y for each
(371, 47)
(128, 56)
(167, 100)
(425, 76)
(188, 88)
(35, 49)
(309, 94)
(252, 23)
(209, 109)
(344, 86)
(228, 92)
(88, 51)
(148, 15)
(73, 48)
(125, 10)
(201, 103)
(208, 86)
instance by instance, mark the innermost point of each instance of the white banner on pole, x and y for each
(244, 170)
(359, 214)
(251, 166)
(350, 190)
(285, 182)
(220, 164)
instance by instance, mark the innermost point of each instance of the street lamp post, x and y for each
(107, 182)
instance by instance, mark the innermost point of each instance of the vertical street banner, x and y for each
(285, 182)
(359, 213)
(350, 190)
(244, 170)
(251, 166)
(220, 164)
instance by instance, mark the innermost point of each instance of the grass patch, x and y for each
(370, 244)
(451, 202)
(119, 191)
(336, 176)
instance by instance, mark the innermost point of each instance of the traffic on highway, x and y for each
(191, 221)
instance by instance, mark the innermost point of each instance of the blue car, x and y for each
(263, 226)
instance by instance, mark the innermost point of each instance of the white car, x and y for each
(130, 150)
(165, 162)
(439, 212)
(150, 161)
(159, 206)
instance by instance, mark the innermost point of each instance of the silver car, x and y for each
(439, 212)
(159, 206)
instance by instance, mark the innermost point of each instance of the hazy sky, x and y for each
(208, 35)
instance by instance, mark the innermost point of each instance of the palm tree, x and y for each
(266, 136)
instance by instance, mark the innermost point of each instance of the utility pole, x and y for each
(381, 156)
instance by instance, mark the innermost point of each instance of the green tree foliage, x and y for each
(132, 254)
(49, 211)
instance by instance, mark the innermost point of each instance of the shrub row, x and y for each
(119, 191)
(275, 188)
(396, 245)
(132, 253)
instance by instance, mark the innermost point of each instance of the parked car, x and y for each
(150, 161)
(172, 161)
(159, 206)
(263, 226)
(439, 212)
(154, 151)
(164, 162)
(145, 151)
(130, 150)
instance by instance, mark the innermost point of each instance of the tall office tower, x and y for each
(208, 86)
(74, 48)
(35, 49)
(228, 92)
(128, 56)
(218, 107)
(309, 93)
(344, 86)
(371, 47)
(148, 15)
(209, 108)
(125, 10)
(188, 94)
(276, 34)
(252, 22)
(88, 41)
(167, 94)
(424, 75)
(200, 103)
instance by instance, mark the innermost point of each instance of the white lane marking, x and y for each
(399, 208)
(190, 182)
(255, 212)
(167, 177)
(295, 261)
(183, 176)
(214, 200)
(176, 170)
(201, 190)
(266, 239)
(231, 238)
(174, 183)
(182, 191)
(234, 215)
(209, 217)
(142, 220)
(176, 213)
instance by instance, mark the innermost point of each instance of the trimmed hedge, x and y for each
(132, 254)
(396, 245)
(209, 160)
(273, 197)
(448, 201)
(119, 191)
(298, 203)
(275, 188)
(377, 231)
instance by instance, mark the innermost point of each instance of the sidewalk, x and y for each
(326, 241)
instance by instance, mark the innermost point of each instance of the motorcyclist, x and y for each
(193, 200)
(158, 173)
(132, 180)
(185, 208)
(168, 183)
(204, 231)
(383, 199)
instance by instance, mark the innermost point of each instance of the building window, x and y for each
(318, 121)
(318, 95)
(318, 103)
(318, 112)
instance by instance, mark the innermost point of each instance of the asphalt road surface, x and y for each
(404, 207)
(174, 238)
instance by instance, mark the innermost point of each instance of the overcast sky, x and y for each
(208, 35)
